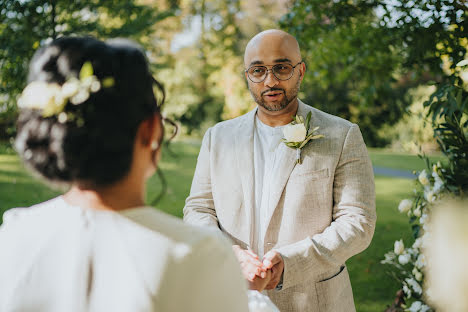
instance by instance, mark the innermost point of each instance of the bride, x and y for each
(89, 120)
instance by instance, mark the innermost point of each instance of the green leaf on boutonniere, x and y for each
(311, 137)
(307, 123)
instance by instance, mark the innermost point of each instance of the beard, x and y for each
(275, 107)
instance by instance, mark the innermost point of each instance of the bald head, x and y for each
(271, 45)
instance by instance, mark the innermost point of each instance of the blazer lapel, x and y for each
(244, 140)
(287, 162)
(287, 159)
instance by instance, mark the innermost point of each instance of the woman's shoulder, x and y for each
(41, 214)
(175, 230)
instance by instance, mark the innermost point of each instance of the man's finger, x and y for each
(271, 259)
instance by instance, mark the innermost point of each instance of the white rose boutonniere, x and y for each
(297, 134)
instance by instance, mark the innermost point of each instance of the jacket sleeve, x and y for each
(199, 206)
(353, 217)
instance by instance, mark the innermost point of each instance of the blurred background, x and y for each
(382, 64)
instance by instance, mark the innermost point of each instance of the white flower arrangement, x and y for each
(51, 98)
(405, 205)
(399, 247)
(297, 134)
(410, 262)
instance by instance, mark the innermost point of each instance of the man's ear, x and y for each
(302, 70)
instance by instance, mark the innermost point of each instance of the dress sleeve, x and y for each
(207, 278)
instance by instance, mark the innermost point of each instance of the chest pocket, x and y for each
(312, 183)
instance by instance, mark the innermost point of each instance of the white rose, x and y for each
(429, 196)
(423, 218)
(399, 247)
(414, 285)
(404, 259)
(417, 211)
(39, 95)
(415, 307)
(423, 178)
(417, 243)
(405, 205)
(438, 183)
(421, 261)
(295, 133)
(462, 63)
(70, 87)
(407, 291)
(417, 274)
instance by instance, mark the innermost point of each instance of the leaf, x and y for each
(415, 229)
(307, 125)
(310, 137)
(86, 71)
(108, 82)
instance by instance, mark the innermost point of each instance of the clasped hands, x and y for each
(261, 274)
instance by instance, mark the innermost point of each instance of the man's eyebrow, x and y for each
(282, 60)
(256, 63)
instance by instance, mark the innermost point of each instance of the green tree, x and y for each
(213, 87)
(26, 25)
(364, 55)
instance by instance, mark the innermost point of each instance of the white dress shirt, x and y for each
(266, 160)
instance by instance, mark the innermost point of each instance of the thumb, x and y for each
(271, 258)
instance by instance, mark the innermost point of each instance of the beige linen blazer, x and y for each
(322, 212)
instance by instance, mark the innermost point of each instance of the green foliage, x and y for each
(364, 55)
(205, 80)
(448, 109)
(27, 25)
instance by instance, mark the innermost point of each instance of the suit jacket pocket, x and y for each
(334, 293)
(309, 174)
(312, 184)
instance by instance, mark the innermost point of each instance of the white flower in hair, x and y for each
(43, 96)
(51, 98)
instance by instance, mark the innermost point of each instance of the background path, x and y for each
(394, 172)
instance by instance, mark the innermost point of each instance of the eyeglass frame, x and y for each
(268, 70)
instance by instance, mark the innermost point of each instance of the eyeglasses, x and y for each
(258, 73)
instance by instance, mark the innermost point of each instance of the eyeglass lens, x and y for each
(281, 72)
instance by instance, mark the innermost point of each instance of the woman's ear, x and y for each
(150, 131)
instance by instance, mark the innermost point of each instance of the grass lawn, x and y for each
(373, 288)
(389, 159)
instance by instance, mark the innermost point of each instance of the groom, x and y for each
(293, 226)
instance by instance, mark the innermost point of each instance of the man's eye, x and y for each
(258, 70)
(282, 68)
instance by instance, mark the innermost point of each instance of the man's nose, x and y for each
(270, 80)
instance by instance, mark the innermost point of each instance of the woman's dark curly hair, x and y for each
(100, 148)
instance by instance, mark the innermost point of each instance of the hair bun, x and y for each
(99, 147)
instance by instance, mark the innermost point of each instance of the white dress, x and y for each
(57, 257)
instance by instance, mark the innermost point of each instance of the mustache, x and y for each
(273, 89)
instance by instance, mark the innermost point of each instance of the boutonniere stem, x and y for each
(297, 134)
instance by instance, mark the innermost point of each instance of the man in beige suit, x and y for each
(297, 222)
